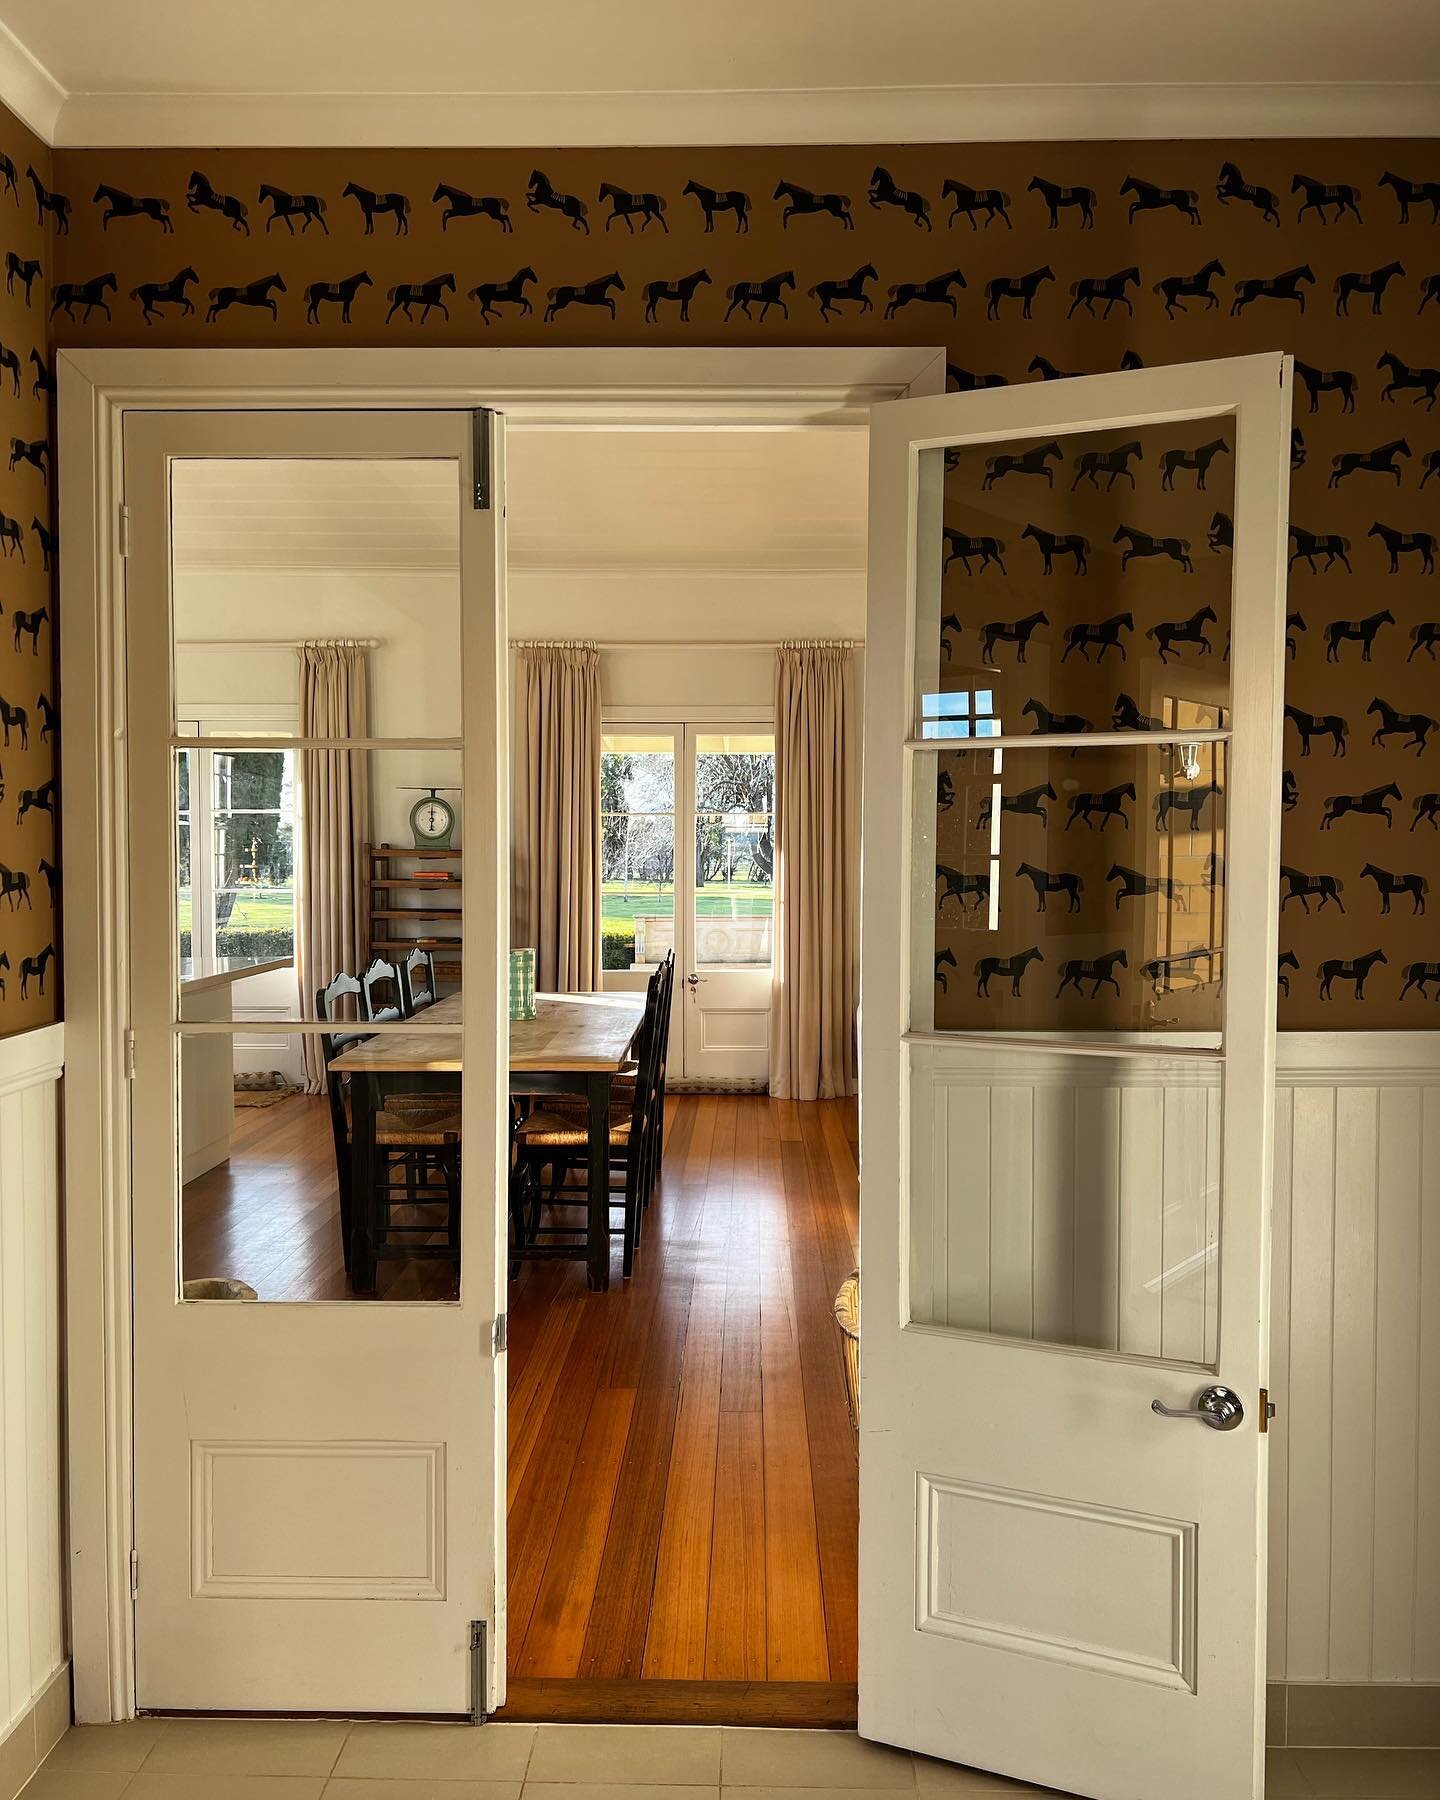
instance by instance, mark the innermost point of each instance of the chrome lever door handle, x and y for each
(1218, 1407)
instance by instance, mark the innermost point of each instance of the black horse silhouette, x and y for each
(1010, 968)
(1099, 971)
(682, 291)
(542, 193)
(1358, 282)
(1232, 185)
(1135, 884)
(1161, 971)
(935, 291)
(34, 967)
(1170, 632)
(1175, 290)
(15, 887)
(1372, 804)
(713, 200)
(52, 878)
(155, 296)
(1403, 378)
(1191, 800)
(1290, 284)
(1140, 543)
(492, 295)
(1053, 724)
(1302, 887)
(1045, 884)
(1320, 195)
(1035, 461)
(1028, 803)
(1294, 621)
(969, 201)
(67, 295)
(1406, 543)
(1379, 461)
(1221, 535)
(742, 295)
(626, 205)
(1105, 633)
(41, 799)
(11, 539)
(371, 203)
(1311, 544)
(966, 381)
(1060, 199)
(944, 959)
(1015, 287)
(1417, 975)
(16, 718)
(1090, 465)
(56, 206)
(958, 884)
(29, 623)
(252, 293)
(202, 196)
(1046, 370)
(1198, 459)
(459, 204)
(337, 293)
(832, 295)
(1010, 631)
(1297, 447)
(1356, 970)
(1150, 198)
(585, 293)
(802, 201)
(1415, 727)
(961, 548)
(34, 451)
(1327, 381)
(1412, 193)
(1388, 885)
(428, 295)
(1363, 631)
(120, 205)
(884, 192)
(1424, 636)
(1109, 288)
(309, 208)
(1430, 466)
(1287, 960)
(1110, 804)
(1427, 807)
(26, 269)
(49, 717)
(1127, 716)
(1311, 725)
(7, 174)
(1051, 544)
(1429, 290)
(1289, 791)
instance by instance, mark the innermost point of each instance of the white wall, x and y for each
(32, 1552)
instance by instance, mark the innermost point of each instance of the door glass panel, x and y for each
(637, 842)
(1078, 583)
(1066, 1198)
(734, 849)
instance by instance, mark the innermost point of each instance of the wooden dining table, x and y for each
(575, 1044)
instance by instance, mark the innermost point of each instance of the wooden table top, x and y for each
(570, 1032)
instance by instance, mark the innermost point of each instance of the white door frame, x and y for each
(639, 389)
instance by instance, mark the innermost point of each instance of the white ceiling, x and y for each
(654, 71)
(645, 502)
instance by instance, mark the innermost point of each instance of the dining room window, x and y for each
(637, 848)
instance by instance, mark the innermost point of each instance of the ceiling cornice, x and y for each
(980, 114)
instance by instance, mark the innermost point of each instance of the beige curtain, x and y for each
(556, 829)
(331, 895)
(812, 1003)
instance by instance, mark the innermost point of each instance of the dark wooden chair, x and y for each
(382, 992)
(417, 982)
(328, 1008)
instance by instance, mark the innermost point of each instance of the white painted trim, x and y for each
(29, 89)
(988, 113)
(31, 1057)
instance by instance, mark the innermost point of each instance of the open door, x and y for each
(314, 641)
(1075, 666)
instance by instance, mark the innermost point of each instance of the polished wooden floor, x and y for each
(682, 1502)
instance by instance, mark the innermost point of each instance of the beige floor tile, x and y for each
(1283, 1780)
(681, 1755)
(932, 1777)
(17, 1758)
(437, 1752)
(818, 1759)
(52, 1715)
(341, 1787)
(789, 1793)
(207, 1786)
(618, 1790)
(1371, 1774)
(246, 1747)
(117, 1749)
(77, 1784)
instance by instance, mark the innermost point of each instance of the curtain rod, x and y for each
(670, 644)
(274, 643)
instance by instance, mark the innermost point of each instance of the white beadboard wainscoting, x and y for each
(1076, 1199)
(32, 1555)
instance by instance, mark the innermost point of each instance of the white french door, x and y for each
(1069, 855)
(319, 1517)
(689, 865)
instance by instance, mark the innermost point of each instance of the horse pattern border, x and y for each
(1087, 257)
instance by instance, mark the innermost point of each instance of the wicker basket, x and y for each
(847, 1317)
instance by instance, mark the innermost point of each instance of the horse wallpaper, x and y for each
(1026, 261)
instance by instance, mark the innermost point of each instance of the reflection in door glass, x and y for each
(734, 849)
(637, 847)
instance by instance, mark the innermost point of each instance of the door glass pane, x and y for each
(637, 843)
(734, 849)
(1066, 1198)
(1078, 583)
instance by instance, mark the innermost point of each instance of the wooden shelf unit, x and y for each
(387, 923)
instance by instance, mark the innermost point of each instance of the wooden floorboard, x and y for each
(682, 1479)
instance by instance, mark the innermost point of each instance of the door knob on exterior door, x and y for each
(693, 982)
(1218, 1407)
